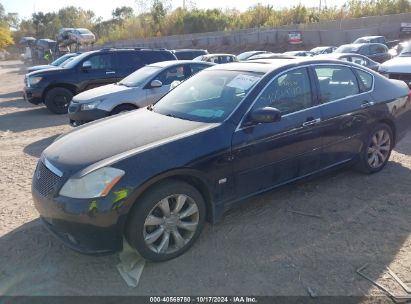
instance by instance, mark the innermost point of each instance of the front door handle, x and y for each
(110, 72)
(311, 122)
(366, 104)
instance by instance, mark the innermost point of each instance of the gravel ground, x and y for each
(259, 248)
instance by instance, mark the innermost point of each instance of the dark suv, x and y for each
(375, 51)
(56, 87)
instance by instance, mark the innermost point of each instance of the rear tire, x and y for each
(58, 99)
(166, 220)
(122, 108)
(376, 150)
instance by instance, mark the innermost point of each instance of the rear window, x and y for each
(130, 60)
(156, 56)
(366, 80)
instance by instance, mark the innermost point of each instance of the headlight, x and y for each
(95, 184)
(91, 105)
(34, 80)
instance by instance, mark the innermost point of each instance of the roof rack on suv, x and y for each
(132, 48)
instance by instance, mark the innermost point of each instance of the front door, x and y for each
(270, 154)
(101, 72)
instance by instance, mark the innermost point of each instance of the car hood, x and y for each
(397, 65)
(105, 92)
(44, 72)
(113, 139)
(40, 67)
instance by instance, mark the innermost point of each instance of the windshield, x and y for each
(61, 60)
(140, 76)
(347, 49)
(209, 96)
(246, 55)
(83, 31)
(318, 50)
(406, 52)
(72, 63)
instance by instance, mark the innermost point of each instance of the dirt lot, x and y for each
(260, 248)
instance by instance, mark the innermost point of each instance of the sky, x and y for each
(104, 8)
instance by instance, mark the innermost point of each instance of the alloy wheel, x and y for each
(171, 224)
(379, 148)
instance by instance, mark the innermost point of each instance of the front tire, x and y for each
(58, 99)
(166, 221)
(377, 149)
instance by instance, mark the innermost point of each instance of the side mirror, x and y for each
(156, 84)
(86, 65)
(265, 115)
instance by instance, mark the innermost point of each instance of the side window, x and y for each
(195, 68)
(366, 80)
(171, 74)
(365, 50)
(289, 92)
(375, 49)
(101, 62)
(153, 57)
(336, 82)
(358, 60)
(129, 60)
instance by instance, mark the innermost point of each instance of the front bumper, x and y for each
(33, 95)
(78, 117)
(87, 226)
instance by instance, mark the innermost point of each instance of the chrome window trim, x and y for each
(52, 168)
(239, 128)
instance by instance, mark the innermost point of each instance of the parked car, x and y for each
(56, 87)
(189, 54)
(323, 50)
(371, 39)
(375, 51)
(141, 88)
(247, 55)
(76, 35)
(63, 33)
(217, 58)
(59, 61)
(299, 53)
(399, 67)
(355, 58)
(156, 174)
(397, 49)
(82, 36)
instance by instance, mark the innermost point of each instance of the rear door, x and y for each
(127, 63)
(266, 155)
(102, 71)
(346, 102)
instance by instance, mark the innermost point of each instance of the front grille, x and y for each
(45, 181)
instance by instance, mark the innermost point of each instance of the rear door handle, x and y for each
(110, 72)
(311, 122)
(366, 104)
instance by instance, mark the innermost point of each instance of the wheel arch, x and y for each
(69, 87)
(123, 104)
(391, 124)
(189, 176)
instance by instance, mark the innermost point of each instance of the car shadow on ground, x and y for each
(32, 118)
(36, 148)
(312, 234)
(14, 95)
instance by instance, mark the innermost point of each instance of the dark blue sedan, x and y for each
(155, 175)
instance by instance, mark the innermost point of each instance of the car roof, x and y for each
(217, 54)
(189, 50)
(168, 63)
(369, 37)
(269, 65)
